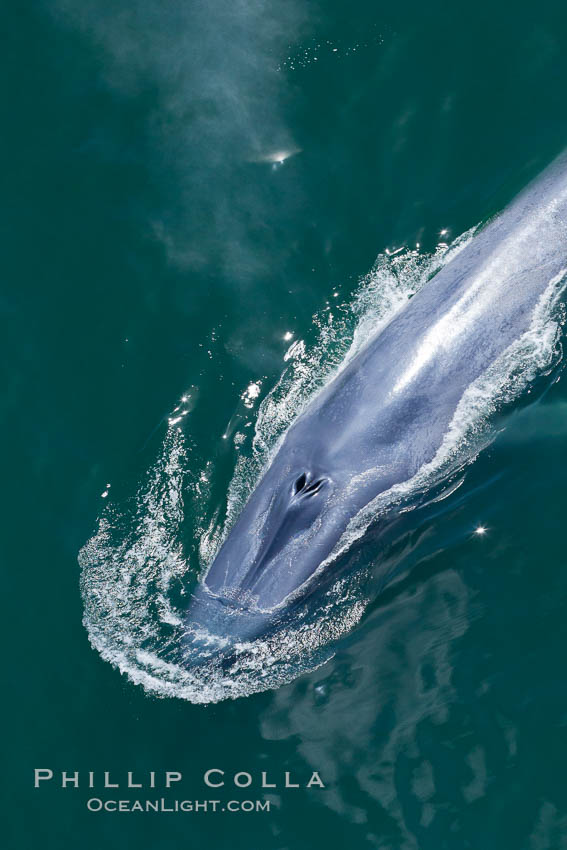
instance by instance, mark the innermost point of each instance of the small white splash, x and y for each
(296, 349)
(277, 156)
(251, 393)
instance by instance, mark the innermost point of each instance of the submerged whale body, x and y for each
(385, 415)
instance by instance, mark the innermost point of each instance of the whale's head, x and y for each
(288, 527)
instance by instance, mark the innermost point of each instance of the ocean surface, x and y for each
(208, 209)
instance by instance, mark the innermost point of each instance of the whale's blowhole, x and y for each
(304, 487)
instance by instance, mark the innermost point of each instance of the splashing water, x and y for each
(136, 575)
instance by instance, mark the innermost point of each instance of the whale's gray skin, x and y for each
(385, 414)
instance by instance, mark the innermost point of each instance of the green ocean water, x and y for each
(154, 249)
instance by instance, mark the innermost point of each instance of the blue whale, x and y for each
(385, 415)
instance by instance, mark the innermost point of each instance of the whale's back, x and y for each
(397, 396)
